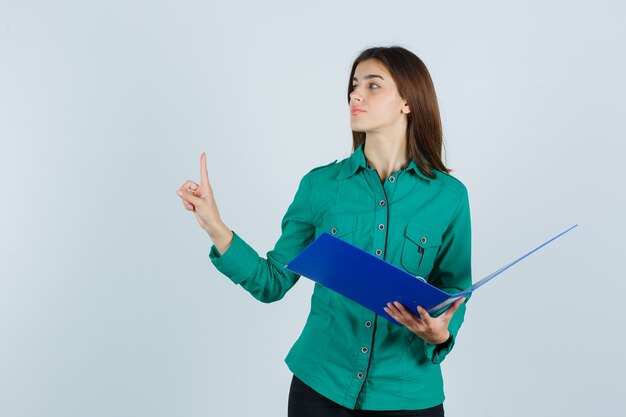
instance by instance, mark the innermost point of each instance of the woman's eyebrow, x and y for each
(368, 76)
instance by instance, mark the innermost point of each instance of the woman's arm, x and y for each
(266, 279)
(451, 273)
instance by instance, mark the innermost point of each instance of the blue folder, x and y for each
(373, 282)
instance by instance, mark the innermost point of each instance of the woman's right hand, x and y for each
(199, 199)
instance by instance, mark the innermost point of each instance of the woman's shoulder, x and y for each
(326, 171)
(450, 182)
(323, 166)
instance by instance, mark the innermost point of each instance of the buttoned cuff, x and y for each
(238, 262)
(437, 353)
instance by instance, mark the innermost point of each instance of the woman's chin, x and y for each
(357, 127)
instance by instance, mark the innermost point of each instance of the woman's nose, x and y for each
(355, 96)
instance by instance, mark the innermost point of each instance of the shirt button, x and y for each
(382, 226)
(423, 240)
(381, 202)
(364, 349)
(333, 230)
(368, 324)
(360, 375)
(391, 179)
(378, 252)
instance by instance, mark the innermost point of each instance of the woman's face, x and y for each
(374, 92)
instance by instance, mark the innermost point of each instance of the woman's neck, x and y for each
(386, 157)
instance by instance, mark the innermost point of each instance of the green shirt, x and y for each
(346, 352)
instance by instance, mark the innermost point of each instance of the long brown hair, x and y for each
(424, 133)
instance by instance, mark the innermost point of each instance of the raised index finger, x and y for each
(204, 175)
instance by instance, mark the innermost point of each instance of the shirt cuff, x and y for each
(238, 262)
(437, 353)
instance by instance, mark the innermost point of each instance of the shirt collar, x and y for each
(357, 160)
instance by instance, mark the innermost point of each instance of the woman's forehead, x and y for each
(371, 67)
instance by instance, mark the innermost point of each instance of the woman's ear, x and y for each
(406, 109)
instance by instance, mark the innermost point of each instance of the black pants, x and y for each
(306, 402)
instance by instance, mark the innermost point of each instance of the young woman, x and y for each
(392, 197)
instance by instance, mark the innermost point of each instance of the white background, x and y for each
(109, 305)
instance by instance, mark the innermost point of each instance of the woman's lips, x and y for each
(355, 112)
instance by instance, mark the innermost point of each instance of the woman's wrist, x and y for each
(440, 340)
(222, 237)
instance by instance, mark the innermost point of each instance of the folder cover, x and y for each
(372, 281)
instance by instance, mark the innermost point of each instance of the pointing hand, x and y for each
(199, 199)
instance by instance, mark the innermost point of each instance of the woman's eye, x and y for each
(377, 86)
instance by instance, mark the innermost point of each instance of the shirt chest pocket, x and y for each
(341, 226)
(420, 248)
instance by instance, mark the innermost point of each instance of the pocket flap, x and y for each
(339, 225)
(422, 235)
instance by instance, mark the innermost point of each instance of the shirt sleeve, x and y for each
(266, 279)
(452, 273)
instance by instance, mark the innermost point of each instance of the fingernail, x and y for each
(180, 193)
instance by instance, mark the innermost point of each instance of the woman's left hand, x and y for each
(433, 330)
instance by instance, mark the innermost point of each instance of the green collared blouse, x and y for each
(346, 352)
